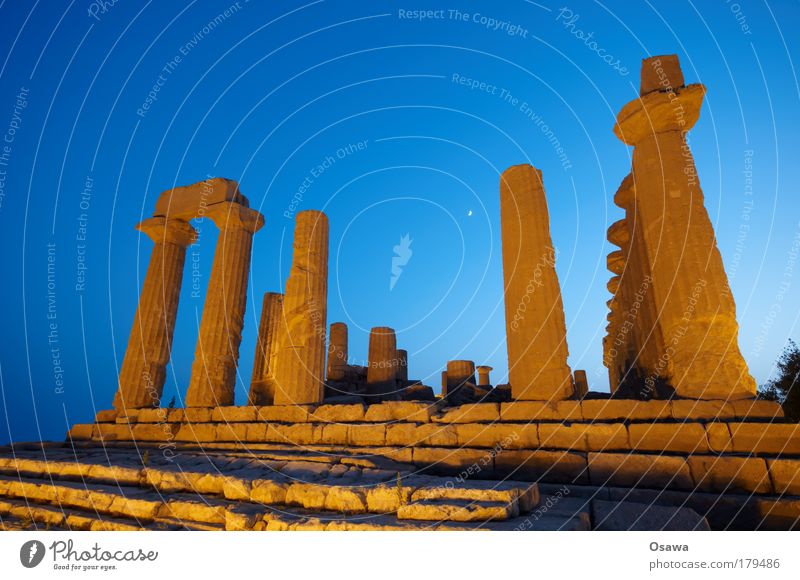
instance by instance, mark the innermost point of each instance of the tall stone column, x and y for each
(300, 359)
(382, 368)
(262, 383)
(535, 328)
(402, 366)
(483, 376)
(217, 352)
(143, 371)
(337, 352)
(444, 383)
(581, 384)
(697, 315)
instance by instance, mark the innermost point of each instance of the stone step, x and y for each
(457, 510)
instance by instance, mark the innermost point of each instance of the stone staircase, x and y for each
(62, 487)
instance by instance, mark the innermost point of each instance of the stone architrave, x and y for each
(382, 366)
(217, 352)
(337, 352)
(483, 376)
(402, 366)
(143, 371)
(535, 327)
(697, 314)
(262, 384)
(300, 358)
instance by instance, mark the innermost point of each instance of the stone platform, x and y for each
(592, 464)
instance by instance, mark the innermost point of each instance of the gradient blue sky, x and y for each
(275, 88)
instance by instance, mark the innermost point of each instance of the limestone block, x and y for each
(455, 511)
(112, 432)
(583, 436)
(150, 415)
(233, 414)
(404, 434)
(256, 432)
(453, 461)
(622, 409)
(338, 414)
(498, 436)
(547, 466)
(725, 473)
(298, 434)
(191, 415)
(470, 413)
(757, 409)
(343, 499)
(333, 434)
(190, 201)
(284, 413)
(80, 432)
(639, 470)
(679, 437)
(541, 411)
(661, 73)
(268, 491)
(399, 411)
(772, 438)
(154, 431)
(437, 435)
(231, 432)
(106, 416)
(696, 409)
(644, 517)
(366, 434)
(785, 474)
(197, 432)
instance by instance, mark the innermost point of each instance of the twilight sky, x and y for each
(395, 118)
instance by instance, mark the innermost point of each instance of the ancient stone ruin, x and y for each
(680, 443)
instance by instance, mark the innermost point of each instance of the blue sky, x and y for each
(398, 123)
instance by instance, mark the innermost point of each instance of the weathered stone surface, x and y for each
(719, 437)
(727, 473)
(772, 438)
(452, 461)
(436, 434)
(285, 413)
(106, 416)
(757, 409)
(300, 355)
(470, 413)
(541, 411)
(233, 414)
(548, 466)
(638, 469)
(498, 436)
(642, 517)
(337, 352)
(459, 372)
(683, 409)
(583, 436)
(484, 379)
(382, 370)
(785, 475)
(191, 201)
(621, 409)
(404, 434)
(679, 437)
(217, 351)
(366, 435)
(455, 511)
(661, 73)
(338, 413)
(400, 411)
(199, 432)
(535, 326)
(81, 432)
(262, 382)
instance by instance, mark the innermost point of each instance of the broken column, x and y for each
(535, 326)
(300, 358)
(337, 352)
(217, 352)
(483, 376)
(697, 315)
(262, 385)
(581, 384)
(382, 368)
(444, 383)
(143, 371)
(402, 367)
(459, 372)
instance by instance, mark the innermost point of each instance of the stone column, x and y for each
(402, 366)
(458, 373)
(483, 376)
(337, 352)
(217, 352)
(581, 384)
(382, 369)
(300, 359)
(444, 382)
(535, 328)
(697, 315)
(262, 383)
(143, 371)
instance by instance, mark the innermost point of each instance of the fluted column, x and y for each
(262, 383)
(300, 359)
(483, 376)
(217, 352)
(337, 352)
(458, 373)
(382, 369)
(535, 328)
(697, 315)
(143, 371)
